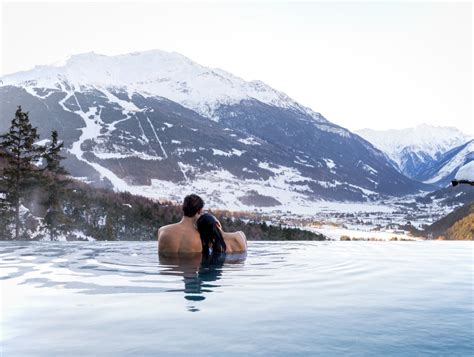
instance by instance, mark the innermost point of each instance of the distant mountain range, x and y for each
(160, 125)
(425, 153)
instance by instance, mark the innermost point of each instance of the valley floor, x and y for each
(383, 220)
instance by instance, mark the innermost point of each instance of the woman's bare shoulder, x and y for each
(234, 235)
(238, 235)
(239, 242)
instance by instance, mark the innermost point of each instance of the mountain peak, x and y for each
(416, 151)
(425, 138)
(157, 73)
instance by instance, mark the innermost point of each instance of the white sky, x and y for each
(362, 65)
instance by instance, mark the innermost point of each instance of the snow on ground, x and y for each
(249, 141)
(42, 142)
(337, 232)
(165, 155)
(89, 132)
(221, 189)
(330, 164)
(369, 169)
(466, 172)
(285, 174)
(128, 106)
(364, 190)
(127, 154)
(82, 236)
(331, 129)
(328, 184)
(234, 152)
(352, 207)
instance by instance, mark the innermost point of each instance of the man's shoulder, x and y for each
(166, 238)
(168, 227)
(165, 234)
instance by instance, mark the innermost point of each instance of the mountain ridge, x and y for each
(417, 151)
(160, 73)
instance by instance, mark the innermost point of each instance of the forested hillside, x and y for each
(458, 225)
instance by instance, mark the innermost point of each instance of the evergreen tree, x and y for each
(52, 156)
(109, 229)
(19, 175)
(55, 219)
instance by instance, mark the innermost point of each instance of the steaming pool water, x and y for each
(282, 298)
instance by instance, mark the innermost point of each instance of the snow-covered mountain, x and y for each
(161, 125)
(415, 151)
(154, 73)
(445, 169)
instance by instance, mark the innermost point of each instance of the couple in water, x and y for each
(198, 232)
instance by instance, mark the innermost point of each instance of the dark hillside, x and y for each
(458, 225)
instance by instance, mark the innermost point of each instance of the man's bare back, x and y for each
(179, 238)
(182, 237)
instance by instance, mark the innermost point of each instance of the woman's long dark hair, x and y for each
(211, 235)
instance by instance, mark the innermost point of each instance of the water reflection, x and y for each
(199, 273)
(110, 269)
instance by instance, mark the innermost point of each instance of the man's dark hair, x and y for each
(192, 204)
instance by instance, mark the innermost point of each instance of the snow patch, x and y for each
(249, 141)
(234, 152)
(466, 172)
(330, 164)
(128, 106)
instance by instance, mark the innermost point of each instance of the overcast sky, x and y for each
(362, 65)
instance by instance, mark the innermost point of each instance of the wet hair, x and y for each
(192, 204)
(211, 235)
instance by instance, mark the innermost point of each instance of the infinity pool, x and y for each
(298, 298)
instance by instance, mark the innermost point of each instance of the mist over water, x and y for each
(331, 298)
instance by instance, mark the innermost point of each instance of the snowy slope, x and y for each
(466, 172)
(155, 73)
(449, 164)
(414, 150)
